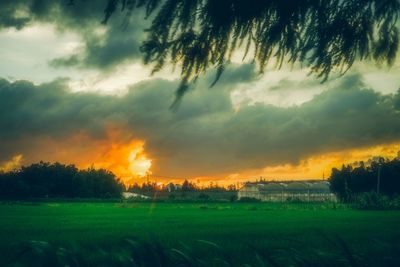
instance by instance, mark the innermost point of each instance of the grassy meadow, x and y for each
(257, 234)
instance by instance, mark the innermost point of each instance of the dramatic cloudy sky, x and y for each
(76, 91)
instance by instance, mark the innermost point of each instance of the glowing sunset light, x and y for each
(127, 161)
(314, 167)
(138, 163)
(160, 185)
(12, 164)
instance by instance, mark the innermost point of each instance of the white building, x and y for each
(288, 191)
(130, 195)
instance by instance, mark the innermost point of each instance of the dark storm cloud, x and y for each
(119, 42)
(22, 13)
(117, 45)
(397, 101)
(205, 135)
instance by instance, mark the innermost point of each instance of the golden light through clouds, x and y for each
(138, 163)
(127, 161)
(12, 164)
(315, 167)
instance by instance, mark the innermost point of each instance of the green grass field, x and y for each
(239, 229)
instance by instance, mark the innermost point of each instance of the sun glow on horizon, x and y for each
(126, 157)
(317, 166)
(14, 163)
(314, 167)
(128, 161)
(139, 164)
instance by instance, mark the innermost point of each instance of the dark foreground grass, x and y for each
(193, 234)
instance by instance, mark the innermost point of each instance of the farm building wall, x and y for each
(291, 191)
(194, 195)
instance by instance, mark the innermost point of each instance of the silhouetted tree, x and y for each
(324, 35)
(45, 180)
(188, 186)
(135, 188)
(349, 182)
(338, 182)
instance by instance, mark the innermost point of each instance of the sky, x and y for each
(76, 91)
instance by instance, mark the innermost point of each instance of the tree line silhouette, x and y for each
(380, 175)
(185, 186)
(45, 180)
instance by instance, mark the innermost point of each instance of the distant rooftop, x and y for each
(287, 181)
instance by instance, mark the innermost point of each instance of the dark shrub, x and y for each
(203, 196)
(374, 201)
(249, 199)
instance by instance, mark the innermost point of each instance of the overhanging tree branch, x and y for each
(324, 35)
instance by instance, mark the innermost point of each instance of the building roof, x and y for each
(324, 185)
(272, 186)
(320, 186)
(298, 186)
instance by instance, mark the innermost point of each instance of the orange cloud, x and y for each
(127, 160)
(12, 164)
